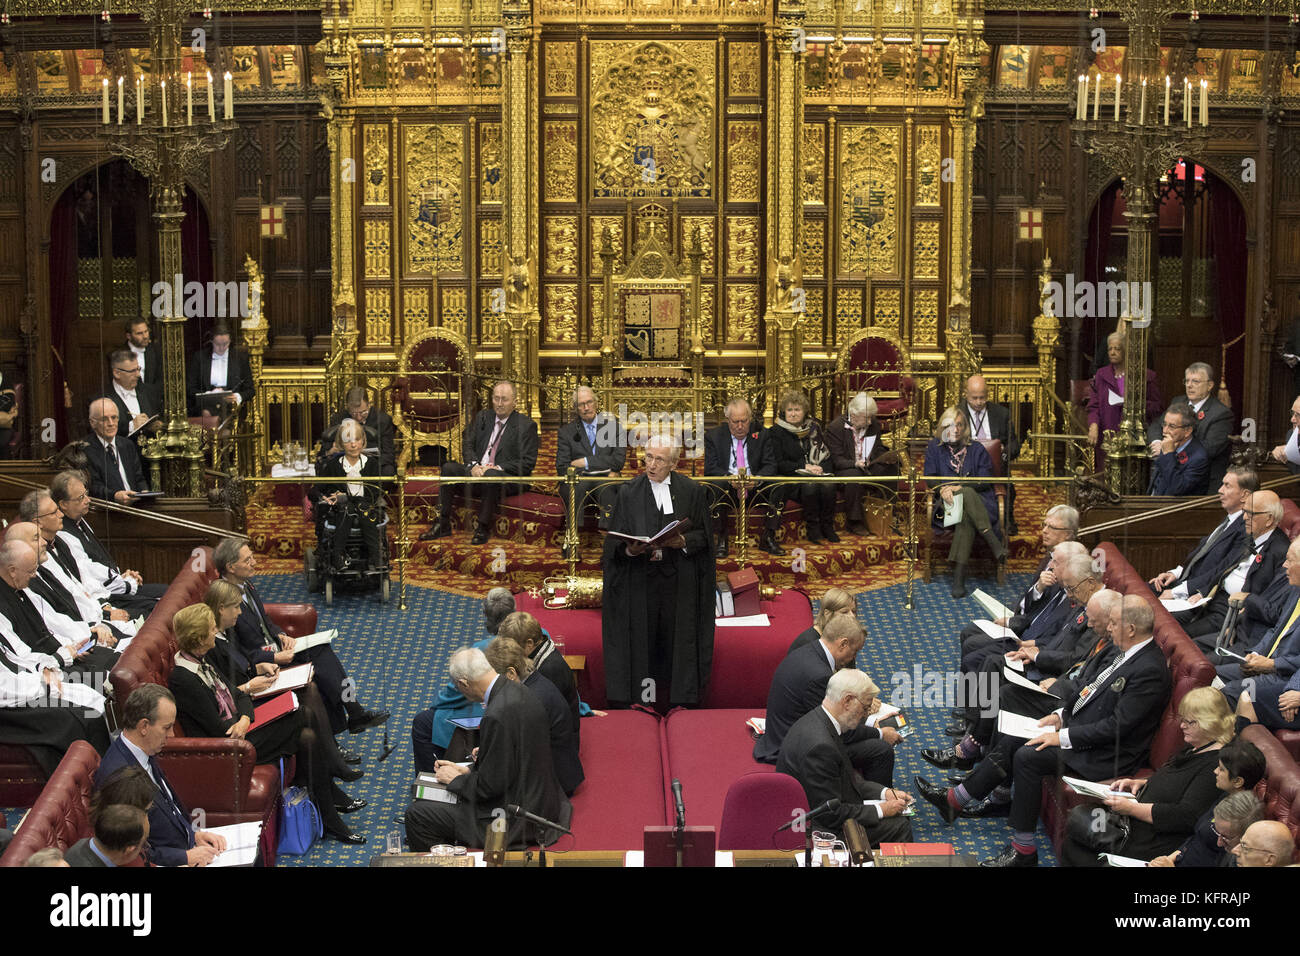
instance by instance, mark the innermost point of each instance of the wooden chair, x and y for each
(433, 394)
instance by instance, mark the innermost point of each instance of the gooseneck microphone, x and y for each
(832, 804)
(678, 804)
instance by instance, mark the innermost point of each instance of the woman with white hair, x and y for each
(952, 454)
(1106, 396)
(351, 502)
(857, 449)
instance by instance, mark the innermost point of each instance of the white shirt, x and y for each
(1236, 578)
(92, 571)
(1181, 590)
(1196, 406)
(355, 489)
(829, 660)
(142, 758)
(839, 729)
(121, 469)
(663, 498)
(139, 357)
(979, 422)
(219, 375)
(1124, 658)
(129, 399)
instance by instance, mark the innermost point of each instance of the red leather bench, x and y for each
(708, 751)
(1280, 788)
(60, 815)
(623, 792)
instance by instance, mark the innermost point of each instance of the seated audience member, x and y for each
(1164, 808)
(499, 441)
(1079, 738)
(78, 546)
(1246, 575)
(121, 833)
(513, 766)
(378, 425)
(508, 659)
(147, 721)
(218, 366)
(9, 410)
(813, 752)
(593, 443)
(261, 639)
(952, 454)
(1288, 453)
(523, 629)
(50, 856)
(115, 471)
(136, 402)
(992, 421)
(1106, 397)
(1205, 561)
(740, 442)
(798, 447)
(857, 451)
(1267, 843)
(144, 350)
(432, 729)
(1213, 421)
(799, 685)
(1241, 766)
(834, 602)
(211, 706)
(351, 504)
(1182, 468)
(224, 601)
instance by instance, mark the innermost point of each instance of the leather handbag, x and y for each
(1097, 829)
(300, 821)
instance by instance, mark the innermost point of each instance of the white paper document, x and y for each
(995, 608)
(1174, 605)
(308, 641)
(749, 620)
(1090, 789)
(952, 511)
(663, 534)
(996, 631)
(1016, 665)
(1018, 725)
(289, 678)
(884, 713)
(1114, 859)
(1115, 398)
(241, 843)
(1022, 681)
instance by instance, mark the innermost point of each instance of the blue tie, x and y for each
(591, 436)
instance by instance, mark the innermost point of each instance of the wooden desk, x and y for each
(1155, 544)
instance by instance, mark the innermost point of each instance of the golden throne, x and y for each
(433, 394)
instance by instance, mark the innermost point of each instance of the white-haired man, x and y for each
(857, 450)
(740, 442)
(594, 443)
(657, 616)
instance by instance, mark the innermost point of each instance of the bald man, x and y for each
(594, 443)
(993, 421)
(115, 472)
(1265, 843)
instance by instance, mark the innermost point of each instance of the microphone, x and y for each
(678, 804)
(517, 811)
(832, 804)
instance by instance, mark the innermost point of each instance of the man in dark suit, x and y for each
(993, 421)
(1212, 419)
(145, 351)
(121, 833)
(1276, 654)
(1205, 562)
(378, 425)
(858, 450)
(147, 721)
(219, 366)
(594, 442)
(499, 441)
(814, 754)
(115, 472)
(1183, 468)
(799, 684)
(1246, 576)
(740, 442)
(514, 767)
(136, 402)
(1288, 453)
(1121, 700)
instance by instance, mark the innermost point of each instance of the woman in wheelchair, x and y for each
(340, 507)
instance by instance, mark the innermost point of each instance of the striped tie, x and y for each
(1085, 695)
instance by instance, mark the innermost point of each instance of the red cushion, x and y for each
(623, 791)
(59, 816)
(708, 750)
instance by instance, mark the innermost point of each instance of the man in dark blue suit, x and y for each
(1184, 468)
(147, 718)
(1205, 562)
(799, 685)
(1211, 418)
(115, 472)
(740, 442)
(592, 442)
(1120, 701)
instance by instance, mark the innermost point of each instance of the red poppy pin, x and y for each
(1079, 619)
(1200, 415)
(754, 436)
(1182, 458)
(1259, 558)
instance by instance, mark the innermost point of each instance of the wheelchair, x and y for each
(319, 566)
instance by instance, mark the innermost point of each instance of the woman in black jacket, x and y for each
(208, 705)
(1241, 766)
(351, 502)
(1165, 806)
(800, 449)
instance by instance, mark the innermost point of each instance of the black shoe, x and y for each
(957, 713)
(815, 535)
(770, 544)
(720, 548)
(480, 535)
(346, 836)
(349, 756)
(828, 532)
(957, 728)
(958, 581)
(859, 528)
(947, 758)
(351, 775)
(978, 809)
(1010, 856)
(439, 529)
(957, 777)
(351, 806)
(936, 796)
(1012, 528)
(365, 720)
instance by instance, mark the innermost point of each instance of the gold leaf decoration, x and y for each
(560, 149)
(742, 245)
(379, 316)
(848, 314)
(744, 147)
(378, 245)
(869, 199)
(925, 250)
(743, 69)
(887, 308)
(561, 245)
(433, 181)
(742, 313)
(561, 69)
(375, 140)
(561, 315)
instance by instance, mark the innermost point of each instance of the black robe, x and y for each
(634, 589)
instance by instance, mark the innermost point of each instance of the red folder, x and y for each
(273, 709)
(916, 849)
(744, 591)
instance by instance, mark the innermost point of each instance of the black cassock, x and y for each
(657, 616)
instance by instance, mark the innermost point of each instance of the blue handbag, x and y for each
(300, 822)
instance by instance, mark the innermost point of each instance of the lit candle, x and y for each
(1205, 103)
(1116, 97)
(1142, 110)
(121, 99)
(189, 99)
(1096, 103)
(1166, 99)
(212, 113)
(163, 97)
(1080, 96)
(230, 97)
(139, 100)
(1187, 102)
(106, 102)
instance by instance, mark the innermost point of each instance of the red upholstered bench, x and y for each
(1280, 788)
(60, 815)
(624, 789)
(707, 750)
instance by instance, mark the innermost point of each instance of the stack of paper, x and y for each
(241, 843)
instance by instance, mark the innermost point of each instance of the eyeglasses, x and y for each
(1054, 527)
(658, 458)
(48, 514)
(128, 370)
(1253, 514)
(1247, 848)
(1187, 721)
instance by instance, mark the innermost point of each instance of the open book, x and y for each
(666, 532)
(289, 678)
(241, 843)
(1090, 789)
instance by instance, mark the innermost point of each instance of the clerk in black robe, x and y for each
(657, 618)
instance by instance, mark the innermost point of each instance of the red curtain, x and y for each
(1228, 249)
